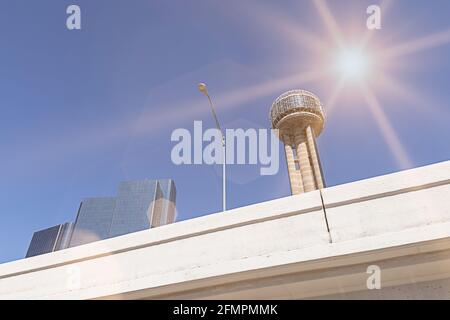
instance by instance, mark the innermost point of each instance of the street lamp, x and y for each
(203, 89)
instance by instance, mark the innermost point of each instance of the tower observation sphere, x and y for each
(299, 117)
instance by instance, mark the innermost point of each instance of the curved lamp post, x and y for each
(203, 89)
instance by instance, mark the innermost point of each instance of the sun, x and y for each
(353, 64)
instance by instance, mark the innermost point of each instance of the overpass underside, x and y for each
(314, 245)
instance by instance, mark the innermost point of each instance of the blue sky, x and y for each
(84, 110)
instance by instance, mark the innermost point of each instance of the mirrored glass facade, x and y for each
(50, 240)
(94, 219)
(139, 205)
(169, 193)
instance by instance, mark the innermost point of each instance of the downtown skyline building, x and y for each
(139, 205)
(50, 239)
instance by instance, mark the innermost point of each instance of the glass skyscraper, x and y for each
(139, 205)
(168, 200)
(50, 240)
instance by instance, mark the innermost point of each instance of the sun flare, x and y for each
(353, 64)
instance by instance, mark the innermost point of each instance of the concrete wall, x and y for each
(391, 203)
(428, 290)
(312, 245)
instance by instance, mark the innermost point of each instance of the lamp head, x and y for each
(202, 88)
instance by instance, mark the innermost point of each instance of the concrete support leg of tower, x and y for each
(306, 169)
(294, 174)
(314, 156)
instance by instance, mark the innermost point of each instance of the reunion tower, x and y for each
(299, 117)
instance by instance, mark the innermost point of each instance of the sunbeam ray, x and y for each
(329, 21)
(290, 30)
(408, 95)
(334, 96)
(390, 136)
(225, 101)
(424, 43)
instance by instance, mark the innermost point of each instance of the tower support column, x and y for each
(295, 176)
(315, 161)
(304, 160)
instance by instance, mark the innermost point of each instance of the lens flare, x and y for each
(353, 64)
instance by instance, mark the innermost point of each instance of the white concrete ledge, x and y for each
(181, 230)
(391, 203)
(297, 247)
(388, 185)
